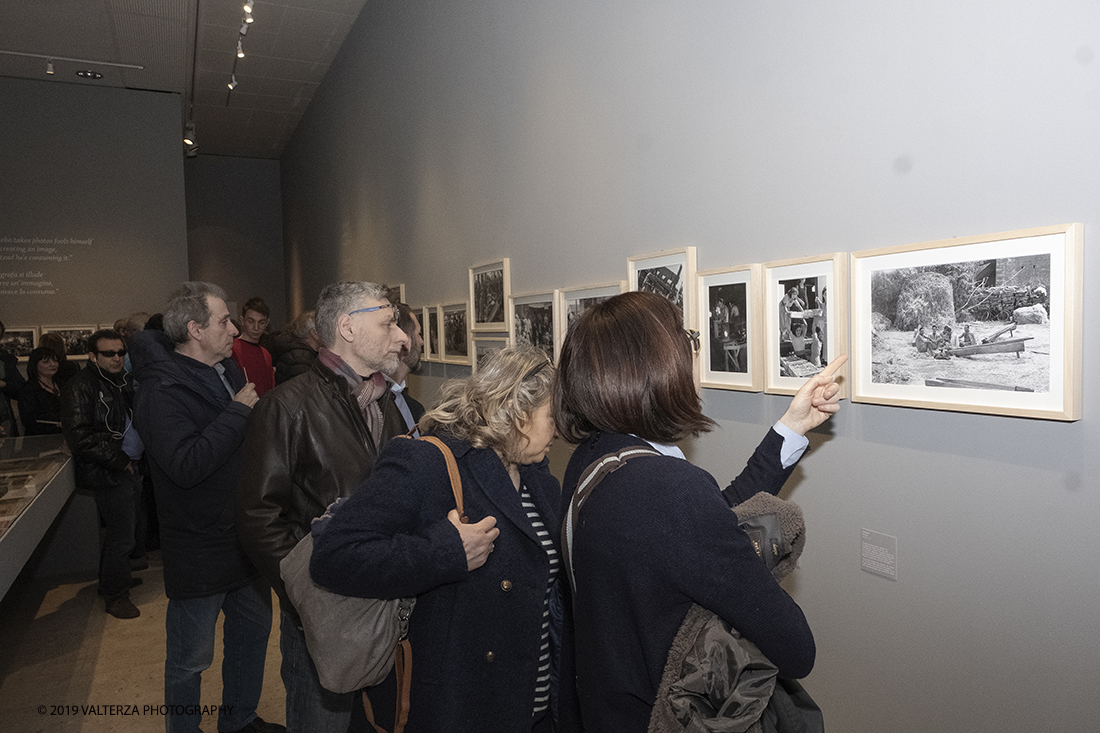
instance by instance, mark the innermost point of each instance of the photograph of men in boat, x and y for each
(803, 326)
(983, 324)
(535, 325)
(664, 281)
(728, 328)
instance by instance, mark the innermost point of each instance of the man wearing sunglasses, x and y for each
(96, 413)
(309, 441)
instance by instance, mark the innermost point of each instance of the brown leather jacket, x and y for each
(306, 445)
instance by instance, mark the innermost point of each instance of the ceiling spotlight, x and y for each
(189, 134)
(240, 49)
(233, 83)
(49, 66)
(248, 6)
(248, 18)
(244, 29)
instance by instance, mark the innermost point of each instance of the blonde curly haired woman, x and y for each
(480, 632)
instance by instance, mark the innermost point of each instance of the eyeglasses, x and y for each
(112, 354)
(692, 334)
(376, 308)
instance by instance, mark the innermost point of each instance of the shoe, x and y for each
(123, 608)
(135, 582)
(259, 725)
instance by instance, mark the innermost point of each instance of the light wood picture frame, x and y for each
(395, 293)
(670, 273)
(454, 322)
(490, 288)
(429, 325)
(730, 317)
(570, 303)
(805, 320)
(535, 321)
(992, 291)
(75, 337)
(485, 344)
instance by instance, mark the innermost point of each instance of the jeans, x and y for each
(190, 625)
(117, 507)
(310, 708)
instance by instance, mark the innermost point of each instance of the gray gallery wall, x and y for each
(235, 229)
(569, 136)
(92, 222)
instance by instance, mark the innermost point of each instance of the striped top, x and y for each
(542, 683)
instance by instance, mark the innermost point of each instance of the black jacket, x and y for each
(94, 412)
(193, 432)
(307, 445)
(292, 356)
(39, 409)
(13, 382)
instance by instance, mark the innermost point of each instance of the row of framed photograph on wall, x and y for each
(22, 340)
(985, 324)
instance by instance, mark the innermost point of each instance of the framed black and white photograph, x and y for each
(20, 341)
(75, 338)
(670, 274)
(805, 320)
(486, 345)
(490, 288)
(988, 324)
(428, 314)
(730, 323)
(572, 302)
(534, 322)
(395, 293)
(455, 320)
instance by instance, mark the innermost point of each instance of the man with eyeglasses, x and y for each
(310, 441)
(96, 419)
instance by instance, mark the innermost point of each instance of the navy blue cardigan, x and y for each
(654, 537)
(475, 635)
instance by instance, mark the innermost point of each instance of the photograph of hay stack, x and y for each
(971, 325)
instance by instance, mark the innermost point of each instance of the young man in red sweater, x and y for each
(253, 359)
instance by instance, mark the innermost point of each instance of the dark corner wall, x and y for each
(569, 136)
(235, 229)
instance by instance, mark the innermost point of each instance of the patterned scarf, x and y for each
(366, 391)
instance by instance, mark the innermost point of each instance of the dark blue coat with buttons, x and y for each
(475, 636)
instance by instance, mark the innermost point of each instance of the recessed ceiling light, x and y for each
(85, 74)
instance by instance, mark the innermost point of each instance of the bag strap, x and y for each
(452, 471)
(588, 481)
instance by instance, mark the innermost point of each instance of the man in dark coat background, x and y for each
(192, 409)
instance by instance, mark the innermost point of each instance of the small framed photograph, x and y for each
(455, 320)
(988, 324)
(75, 338)
(805, 320)
(20, 341)
(490, 287)
(670, 274)
(572, 302)
(484, 346)
(730, 319)
(431, 343)
(395, 293)
(534, 321)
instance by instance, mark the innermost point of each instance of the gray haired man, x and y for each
(311, 440)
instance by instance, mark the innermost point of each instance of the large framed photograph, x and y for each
(534, 321)
(490, 288)
(988, 324)
(429, 325)
(730, 322)
(20, 341)
(671, 274)
(75, 338)
(485, 345)
(455, 321)
(572, 302)
(805, 320)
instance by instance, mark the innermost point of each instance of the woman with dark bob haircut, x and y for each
(481, 629)
(658, 534)
(40, 397)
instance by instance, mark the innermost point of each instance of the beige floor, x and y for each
(60, 652)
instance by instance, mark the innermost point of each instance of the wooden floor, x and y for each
(61, 653)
